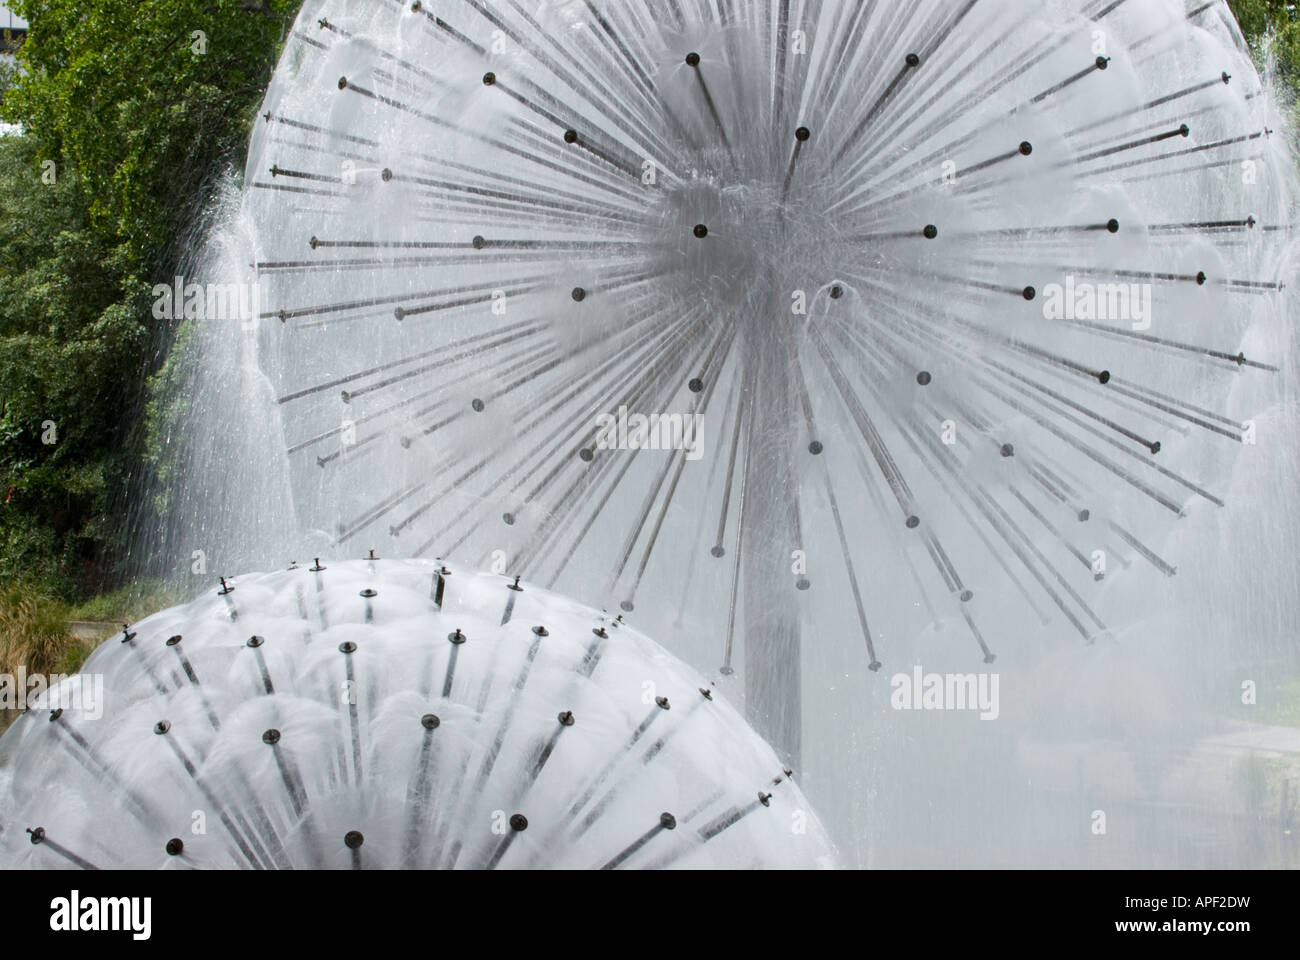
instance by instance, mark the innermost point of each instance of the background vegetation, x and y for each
(1272, 27)
(134, 108)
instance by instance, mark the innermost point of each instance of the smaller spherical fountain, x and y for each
(394, 714)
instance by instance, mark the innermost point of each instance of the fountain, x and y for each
(397, 714)
(935, 334)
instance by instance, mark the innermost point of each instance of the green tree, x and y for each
(71, 337)
(1272, 28)
(130, 111)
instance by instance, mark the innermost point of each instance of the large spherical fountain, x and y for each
(970, 303)
(388, 714)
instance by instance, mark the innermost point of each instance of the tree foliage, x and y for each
(1273, 29)
(130, 109)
